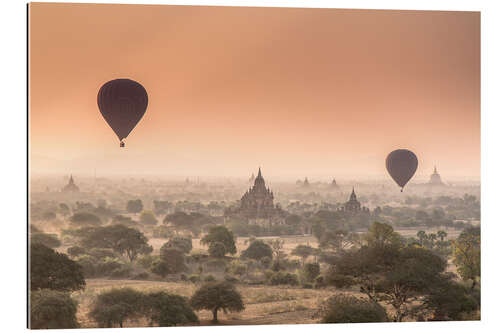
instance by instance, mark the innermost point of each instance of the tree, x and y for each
(311, 271)
(220, 234)
(52, 270)
(173, 259)
(75, 251)
(168, 310)
(49, 240)
(467, 254)
(119, 238)
(134, 206)
(277, 247)
(50, 309)
(381, 235)
(303, 251)
(179, 219)
(442, 235)
(217, 250)
(124, 220)
(116, 305)
(257, 250)
(350, 309)
(387, 271)
(422, 237)
(148, 218)
(85, 219)
(449, 301)
(184, 244)
(215, 296)
(64, 209)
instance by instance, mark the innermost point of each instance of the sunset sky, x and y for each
(300, 92)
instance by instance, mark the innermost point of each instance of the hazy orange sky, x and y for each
(300, 92)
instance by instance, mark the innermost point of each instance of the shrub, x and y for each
(194, 278)
(146, 260)
(49, 240)
(231, 279)
(88, 265)
(160, 267)
(284, 278)
(140, 276)
(85, 219)
(209, 278)
(311, 271)
(101, 254)
(182, 243)
(75, 251)
(174, 259)
(349, 309)
(51, 309)
(216, 265)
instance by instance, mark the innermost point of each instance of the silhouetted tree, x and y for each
(257, 250)
(467, 254)
(52, 270)
(134, 206)
(220, 234)
(215, 296)
(113, 307)
(168, 310)
(51, 309)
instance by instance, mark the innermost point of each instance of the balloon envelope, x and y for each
(401, 165)
(122, 103)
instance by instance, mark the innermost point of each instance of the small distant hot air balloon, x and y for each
(122, 103)
(401, 165)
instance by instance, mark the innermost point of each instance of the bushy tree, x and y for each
(311, 271)
(75, 251)
(166, 309)
(148, 218)
(51, 309)
(134, 206)
(115, 306)
(173, 259)
(124, 220)
(450, 300)
(467, 254)
(85, 219)
(220, 234)
(215, 296)
(119, 238)
(388, 271)
(257, 250)
(184, 244)
(217, 250)
(52, 270)
(303, 251)
(49, 240)
(350, 309)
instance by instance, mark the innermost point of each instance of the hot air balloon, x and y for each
(401, 165)
(122, 103)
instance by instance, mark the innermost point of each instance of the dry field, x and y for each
(263, 304)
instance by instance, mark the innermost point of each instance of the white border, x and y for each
(13, 149)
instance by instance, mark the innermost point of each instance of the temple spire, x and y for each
(259, 175)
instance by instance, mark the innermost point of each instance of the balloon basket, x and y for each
(122, 144)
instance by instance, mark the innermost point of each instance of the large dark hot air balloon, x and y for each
(122, 103)
(401, 165)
